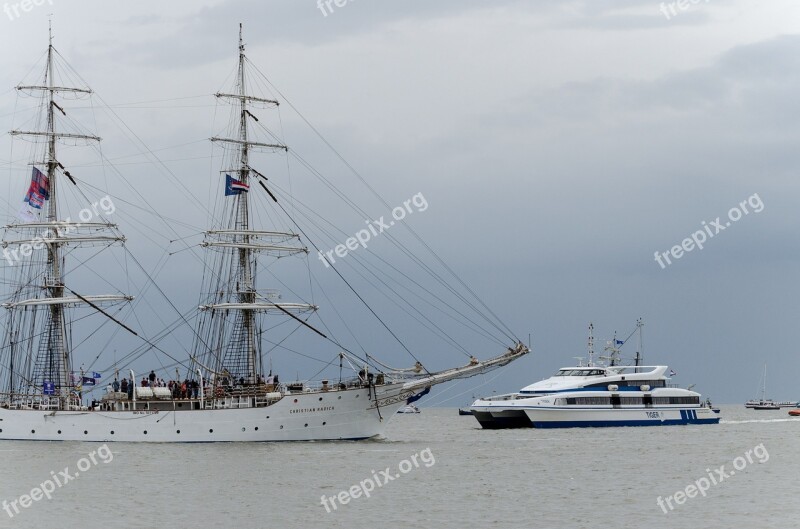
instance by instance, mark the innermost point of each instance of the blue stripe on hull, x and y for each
(594, 424)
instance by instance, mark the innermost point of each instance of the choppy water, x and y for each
(577, 478)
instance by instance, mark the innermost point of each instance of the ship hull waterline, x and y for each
(319, 416)
(541, 417)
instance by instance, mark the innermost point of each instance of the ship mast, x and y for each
(240, 356)
(246, 292)
(52, 359)
(58, 352)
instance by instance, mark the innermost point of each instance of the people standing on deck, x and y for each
(115, 385)
(152, 378)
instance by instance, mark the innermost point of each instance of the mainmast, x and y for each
(246, 292)
(237, 352)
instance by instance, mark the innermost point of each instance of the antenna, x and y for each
(591, 344)
(640, 349)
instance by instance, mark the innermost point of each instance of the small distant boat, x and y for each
(710, 406)
(763, 403)
(409, 409)
(464, 411)
(767, 404)
(795, 412)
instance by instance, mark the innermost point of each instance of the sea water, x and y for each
(433, 470)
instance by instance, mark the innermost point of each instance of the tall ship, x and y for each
(228, 392)
(597, 394)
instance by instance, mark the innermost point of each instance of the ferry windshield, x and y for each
(579, 373)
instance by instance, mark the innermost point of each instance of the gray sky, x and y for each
(559, 145)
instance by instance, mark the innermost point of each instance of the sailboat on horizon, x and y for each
(236, 397)
(763, 403)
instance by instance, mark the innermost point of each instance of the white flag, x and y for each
(26, 214)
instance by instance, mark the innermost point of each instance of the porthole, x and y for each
(243, 429)
(281, 427)
(33, 431)
(86, 432)
(320, 399)
(340, 397)
(211, 430)
(306, 425)
(357, 395)
(267, 416)
(256, 428)
(112, 432)
(178, 432)
(324, 423)
(145, 432)
(295, 400)
(59, 432)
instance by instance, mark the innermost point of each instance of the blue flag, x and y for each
(234, 187)
(49, 388)
(415, 398)
(89, 381)
(95, 374)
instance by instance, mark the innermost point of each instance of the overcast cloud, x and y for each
(559, 144)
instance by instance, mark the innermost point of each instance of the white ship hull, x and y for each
(339, 415)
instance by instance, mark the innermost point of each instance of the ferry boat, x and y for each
(229, 393)
(597, 395)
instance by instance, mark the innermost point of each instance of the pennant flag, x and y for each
(620, 342)
(27, 214)
(234, 187)
(39, 190)
(672, 373)
(415, 398)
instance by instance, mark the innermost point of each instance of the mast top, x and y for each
(241, 42)
(50, 28)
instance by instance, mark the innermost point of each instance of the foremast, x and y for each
(236, 353)
(46, 370)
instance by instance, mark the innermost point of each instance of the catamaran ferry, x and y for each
(597, 395)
